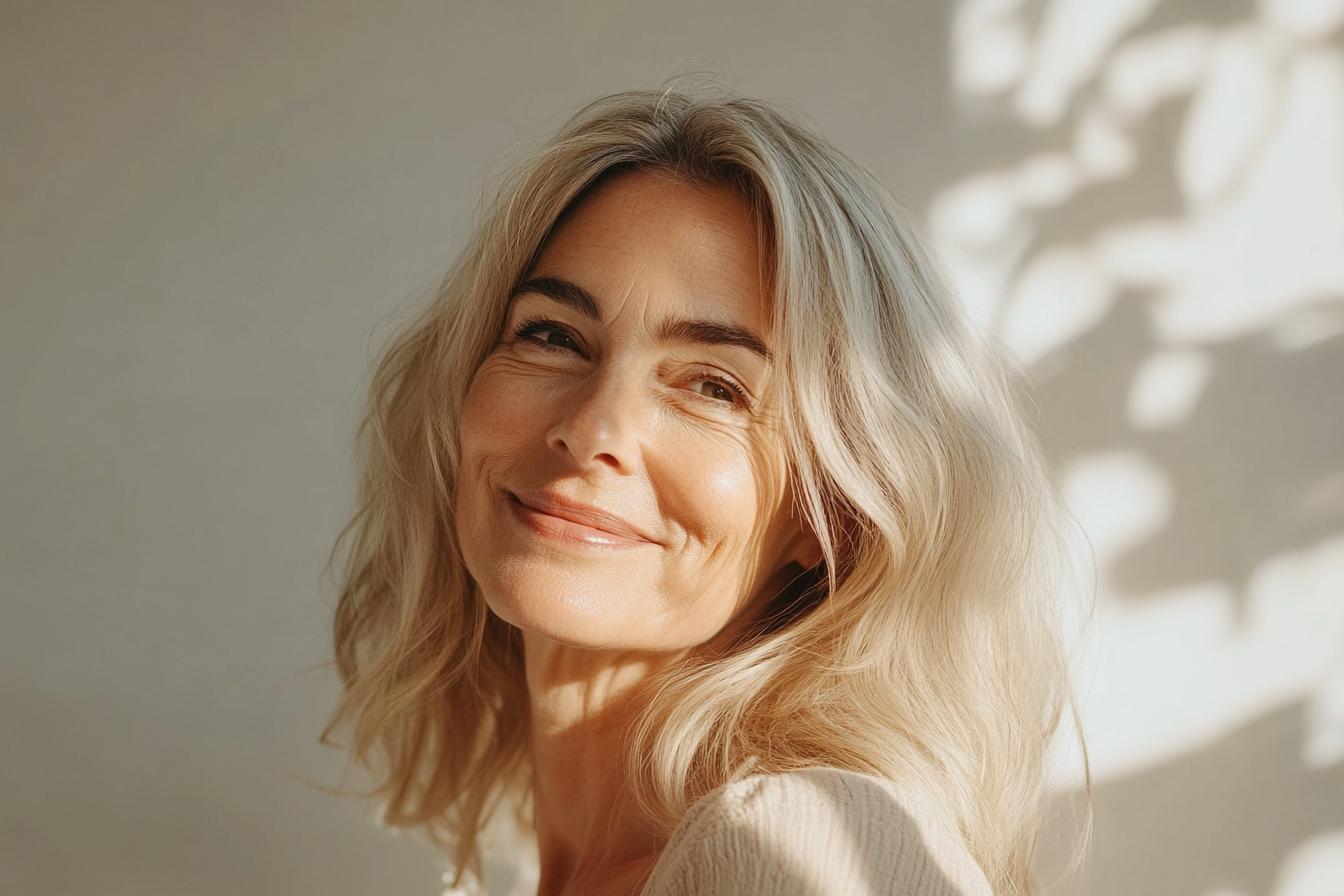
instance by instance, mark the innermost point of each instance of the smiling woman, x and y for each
(696, 527)
(623, 479)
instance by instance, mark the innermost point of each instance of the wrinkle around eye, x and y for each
(534, 364)
(692, 374)
(696, 410)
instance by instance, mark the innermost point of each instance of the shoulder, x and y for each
(810, 833)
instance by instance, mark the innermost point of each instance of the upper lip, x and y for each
(583, 514)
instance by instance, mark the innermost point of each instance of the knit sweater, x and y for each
(815, 832)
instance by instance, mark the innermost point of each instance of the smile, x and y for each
(575, 523)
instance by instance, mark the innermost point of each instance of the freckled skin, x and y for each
(611, 415)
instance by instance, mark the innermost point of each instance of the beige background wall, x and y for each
(206, 209)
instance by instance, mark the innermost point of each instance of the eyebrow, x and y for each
(706, 332)
(700, 332)
(562, 291)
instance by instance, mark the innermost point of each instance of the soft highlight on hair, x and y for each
(932, 658)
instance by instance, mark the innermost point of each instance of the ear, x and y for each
(803, 547)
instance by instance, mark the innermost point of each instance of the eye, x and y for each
(547, 334)
(711, 389)
(720, 389)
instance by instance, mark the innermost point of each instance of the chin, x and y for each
(562, 616)
(562, 628)
(592, 621)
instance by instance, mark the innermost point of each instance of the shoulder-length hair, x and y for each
(928, 656)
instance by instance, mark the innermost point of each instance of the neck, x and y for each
(590, 837)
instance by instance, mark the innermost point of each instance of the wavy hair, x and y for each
(927, 654)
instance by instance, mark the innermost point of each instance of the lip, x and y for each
(568, 520)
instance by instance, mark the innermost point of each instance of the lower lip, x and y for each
(560, 529)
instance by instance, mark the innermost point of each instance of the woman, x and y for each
(695, 526)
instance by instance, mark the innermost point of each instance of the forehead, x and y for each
(657, 242)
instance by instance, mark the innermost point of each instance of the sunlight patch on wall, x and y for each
(1061, 294)
(1166, 387)
(1250, 253)
(1314, 868)
(1148, 71)
(1255, 247)
(1167, 673)
(1075, 38)
(1304, 20)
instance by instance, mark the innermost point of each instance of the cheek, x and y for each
(719, 493)
(498, 417)
(730, 484)
(501, 426)
(741, 492)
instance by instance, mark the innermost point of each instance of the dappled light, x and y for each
(1166, 264)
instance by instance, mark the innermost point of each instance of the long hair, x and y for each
(926, 655)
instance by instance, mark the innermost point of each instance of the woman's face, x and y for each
(622, 482)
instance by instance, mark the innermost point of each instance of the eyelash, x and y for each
(527, 330)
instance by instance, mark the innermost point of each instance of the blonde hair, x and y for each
(927, 654)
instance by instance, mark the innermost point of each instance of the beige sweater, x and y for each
(816, 832)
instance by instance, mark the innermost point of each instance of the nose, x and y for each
(601, 424)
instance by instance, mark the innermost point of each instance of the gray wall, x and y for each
(207, 208)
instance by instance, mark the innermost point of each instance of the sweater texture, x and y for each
(814, 832)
